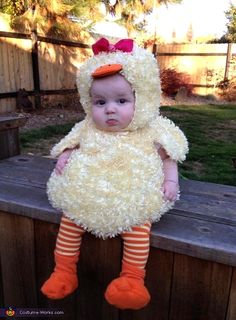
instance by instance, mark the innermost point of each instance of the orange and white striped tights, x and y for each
(135, 242)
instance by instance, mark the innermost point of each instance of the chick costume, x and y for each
(112, 182)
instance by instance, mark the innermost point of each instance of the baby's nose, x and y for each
(110, 108)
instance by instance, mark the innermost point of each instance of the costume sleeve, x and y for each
(171, 138)
(70, 141)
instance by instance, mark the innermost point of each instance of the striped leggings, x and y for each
(135, 242)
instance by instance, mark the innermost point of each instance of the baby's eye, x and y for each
(100, 102)
(122, 101)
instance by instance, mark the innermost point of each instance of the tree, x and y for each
(55, 17)
(52, 17)
(231, 25)
(132, 13)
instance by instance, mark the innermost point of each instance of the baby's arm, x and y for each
(171, 180)
(63, 160)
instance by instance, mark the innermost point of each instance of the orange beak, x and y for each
(107, 70)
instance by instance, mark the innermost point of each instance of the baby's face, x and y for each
(113, 103)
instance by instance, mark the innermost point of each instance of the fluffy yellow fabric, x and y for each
(113, 181)
(140, 69)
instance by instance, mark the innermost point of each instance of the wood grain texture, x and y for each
(17, 261)
(9, 136)
(99, 264)
(195, 237)
(231, 314)
(199, 225)
(200, 289)
(7, 123)
(190, 272)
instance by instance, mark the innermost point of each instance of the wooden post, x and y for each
(9, 136)
(228, 58)
(35, 66)
(154, 49)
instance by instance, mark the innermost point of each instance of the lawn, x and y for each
(211, 132)
(210, 129)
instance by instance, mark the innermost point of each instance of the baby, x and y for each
(117, 170)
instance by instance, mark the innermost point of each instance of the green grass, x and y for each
(28, 138)
(211, 132)
(210, 129)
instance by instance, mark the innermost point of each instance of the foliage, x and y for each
(132, 14)
(231, 25)
(226, 87)
(172, 81)
(52, 17)
(222, 39)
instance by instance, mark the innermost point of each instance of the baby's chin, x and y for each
(111, 128)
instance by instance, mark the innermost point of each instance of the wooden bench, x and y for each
(191, 271)
(9, 135)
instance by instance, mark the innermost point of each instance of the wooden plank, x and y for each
(14, 35)
(9, 143)
(9, 136)
(36, 162)
(231, 314)
(200, 205)
(158, 281)
(27, 201)
(205, 208)
(17, 261)
(206, 189)
(99, 264)
(189, 228)
(44, 249)
(197, 238)
(200, 289)
(27, 170)
(1, 285)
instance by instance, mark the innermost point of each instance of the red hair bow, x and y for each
(103, 45)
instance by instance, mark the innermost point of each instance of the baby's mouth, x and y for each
(111, 122)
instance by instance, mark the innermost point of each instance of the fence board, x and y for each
(17, 261)
(58, 61)
(97, 267)
(231, 315)
(58, 65)
(205, 284)
(198, 60)
(16, 69)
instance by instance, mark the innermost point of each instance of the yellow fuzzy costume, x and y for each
(113, 180)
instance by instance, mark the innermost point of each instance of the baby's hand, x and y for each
(170, 190)
(62, 161)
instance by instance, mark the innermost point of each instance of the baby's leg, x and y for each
(63, 280)
(128, 291)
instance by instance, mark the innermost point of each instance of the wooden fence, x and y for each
(206, 64)
(46, 66)
(41, 65)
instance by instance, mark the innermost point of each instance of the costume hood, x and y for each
(140, 69)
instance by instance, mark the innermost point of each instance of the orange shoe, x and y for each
(63, 280)
(128, 291)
